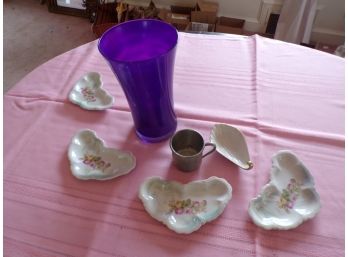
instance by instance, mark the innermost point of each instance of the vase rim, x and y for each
(127, 23)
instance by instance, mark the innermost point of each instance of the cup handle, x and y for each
(211, 150)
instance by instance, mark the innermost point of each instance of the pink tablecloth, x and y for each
(282, 96)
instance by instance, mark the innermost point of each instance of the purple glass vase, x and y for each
(141, 53)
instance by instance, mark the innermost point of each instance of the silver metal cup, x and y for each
(187, 147)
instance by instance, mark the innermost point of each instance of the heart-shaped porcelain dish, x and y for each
(289, 198)
(231, 144)
(91, 159)
(89, 94)
(184, 208)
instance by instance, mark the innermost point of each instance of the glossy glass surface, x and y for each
(141, 54)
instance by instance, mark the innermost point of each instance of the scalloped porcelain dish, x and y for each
(289, 198)
(184, 208)
(231, 144)
(91, 159)
(89, 94)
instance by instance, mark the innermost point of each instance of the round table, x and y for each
(280, 95)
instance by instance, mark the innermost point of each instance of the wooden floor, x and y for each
(32, 36)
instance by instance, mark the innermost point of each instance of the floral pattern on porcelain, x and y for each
(187, 206)
(91, 159)
(94, 161)
(88, 94)
(184, 208)
(290, 197)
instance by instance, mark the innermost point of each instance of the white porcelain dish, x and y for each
(184, 208)
(89, 94)
(289, 198)
(91, 159)
(230, 143)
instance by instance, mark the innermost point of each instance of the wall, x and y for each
(328, 25)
